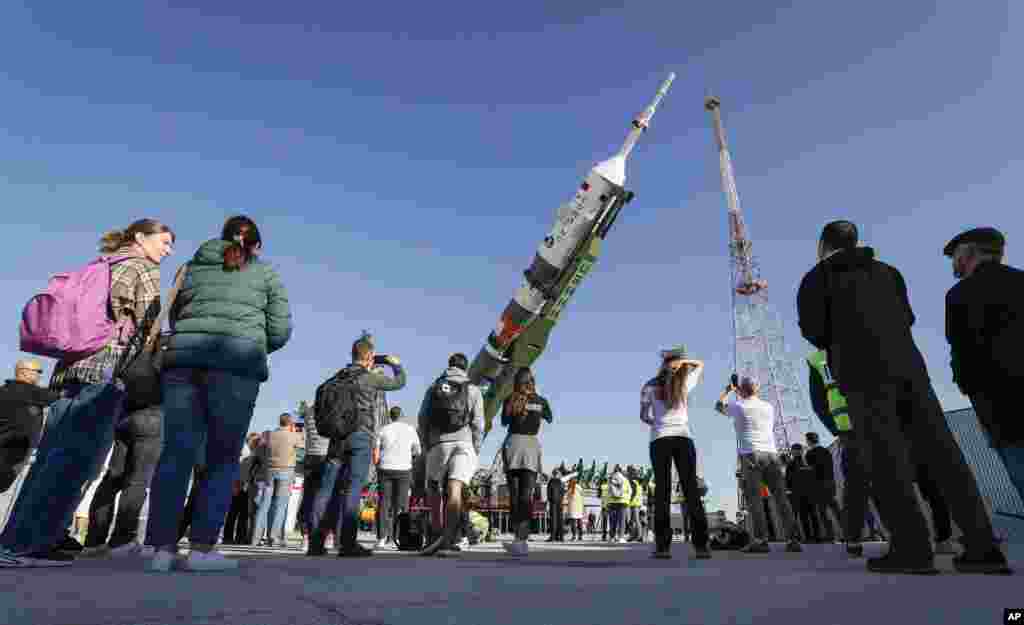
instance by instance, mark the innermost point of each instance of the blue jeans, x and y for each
(337, 502)
(79, 432)
(262, 493)
(272, 505)
(198, 403)
(1013, 458)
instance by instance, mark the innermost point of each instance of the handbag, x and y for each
(141, 376)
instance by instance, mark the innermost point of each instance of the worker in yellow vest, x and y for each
(620, 492)
(634, 505)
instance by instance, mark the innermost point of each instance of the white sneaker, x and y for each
(464, 544)
(381, 544)
(305, 544)
(161, 562)
(622, 540)
(946, 547)
(211, 561)
(329, 543)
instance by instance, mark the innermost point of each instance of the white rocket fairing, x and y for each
(574, 222)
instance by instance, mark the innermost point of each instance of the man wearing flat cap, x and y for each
(985, 330)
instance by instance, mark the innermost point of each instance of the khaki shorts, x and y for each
(451, 461)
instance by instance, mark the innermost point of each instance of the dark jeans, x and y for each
(823, 501)
(394, 500)
(137, 444)
(211, 404)
(885, 420)
(313, 476)
(557, 519)
(664, 452)
(803, 508)
(236, 524)
(520, 494)
(337, 503)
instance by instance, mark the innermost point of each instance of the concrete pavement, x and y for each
(570, 584)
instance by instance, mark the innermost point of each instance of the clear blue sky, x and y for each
(404, 160)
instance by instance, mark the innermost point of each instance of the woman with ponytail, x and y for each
(664, 407)
(80, 426)
(230, 314)
(522, 413)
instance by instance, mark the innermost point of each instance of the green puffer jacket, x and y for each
(228, 320)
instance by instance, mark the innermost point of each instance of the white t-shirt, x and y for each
(754, 420)
(398, 442)
(668, 422)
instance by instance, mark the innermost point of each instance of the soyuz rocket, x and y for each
(562, 261)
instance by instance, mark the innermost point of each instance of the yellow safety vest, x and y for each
(836, 402)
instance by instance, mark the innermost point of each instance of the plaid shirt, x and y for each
(135, 302)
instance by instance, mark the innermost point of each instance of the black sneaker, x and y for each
(854, 550)
(894, 563)
(355, 551)
(437, 545)
(991, 563)
(69, 545)
(48, 559)
(702, 553)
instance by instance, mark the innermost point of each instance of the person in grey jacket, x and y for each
(348, 457)
(451, 422)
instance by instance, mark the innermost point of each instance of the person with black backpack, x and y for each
(522, 413)
(451, 428)
(348, 407)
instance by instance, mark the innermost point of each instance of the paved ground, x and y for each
(563, 584)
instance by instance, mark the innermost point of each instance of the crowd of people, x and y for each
(174, 408)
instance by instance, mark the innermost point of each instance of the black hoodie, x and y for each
(857, 309)
(21, 412)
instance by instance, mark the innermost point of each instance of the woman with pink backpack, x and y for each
(91, 347)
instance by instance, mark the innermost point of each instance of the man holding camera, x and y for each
(358, 390)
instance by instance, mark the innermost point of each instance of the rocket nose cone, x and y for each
(613, 170)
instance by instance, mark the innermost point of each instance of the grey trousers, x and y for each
(766, 467)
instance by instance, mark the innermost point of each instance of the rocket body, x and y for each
(562, 259)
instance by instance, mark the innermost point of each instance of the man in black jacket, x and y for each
(985, 330)
(21, 418)
(857, 309)
(823, 495)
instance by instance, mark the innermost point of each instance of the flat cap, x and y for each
(988, 238)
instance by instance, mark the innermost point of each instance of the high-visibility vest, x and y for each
(837, 408)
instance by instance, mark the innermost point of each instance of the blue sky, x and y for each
(404, 160)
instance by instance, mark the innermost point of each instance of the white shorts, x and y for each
(451, 461)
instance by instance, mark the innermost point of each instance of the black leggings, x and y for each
(665, 452)
(520, 492)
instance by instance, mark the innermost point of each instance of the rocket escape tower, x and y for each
(759, 345)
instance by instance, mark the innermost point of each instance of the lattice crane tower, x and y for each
(759, 345)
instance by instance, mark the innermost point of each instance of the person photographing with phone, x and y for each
(349, 406)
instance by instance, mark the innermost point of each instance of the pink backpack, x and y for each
(71, 319)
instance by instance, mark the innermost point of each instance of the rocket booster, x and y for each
(562, 259)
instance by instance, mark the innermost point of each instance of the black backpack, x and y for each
(410, 532)
(335, 407)
(449, 405)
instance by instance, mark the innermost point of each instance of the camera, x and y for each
(381, 359)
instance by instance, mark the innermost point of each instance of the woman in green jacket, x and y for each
(231, 312)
